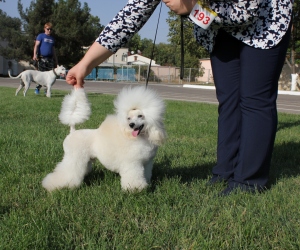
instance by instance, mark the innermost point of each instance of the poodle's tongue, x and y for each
(135, 133)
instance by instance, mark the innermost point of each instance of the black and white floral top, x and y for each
(258, 23)
(126, 23)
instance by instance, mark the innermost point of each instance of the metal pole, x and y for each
(139, 72)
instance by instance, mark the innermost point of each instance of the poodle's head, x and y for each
(135, 122)
(140, 112)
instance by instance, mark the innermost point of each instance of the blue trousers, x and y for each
(246, 81)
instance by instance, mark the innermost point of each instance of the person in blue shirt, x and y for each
(44, 48)
(44, 51)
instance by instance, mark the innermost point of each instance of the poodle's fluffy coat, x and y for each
(126, 142)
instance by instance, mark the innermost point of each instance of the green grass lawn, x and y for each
(178, 211)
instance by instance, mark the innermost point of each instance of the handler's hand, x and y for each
(76, 75)
(180, 7)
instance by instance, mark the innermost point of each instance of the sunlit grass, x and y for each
(178, 211)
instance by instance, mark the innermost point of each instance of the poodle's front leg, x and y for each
(133, 177)
(68, 173)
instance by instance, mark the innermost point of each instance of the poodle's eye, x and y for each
(128, 118)
(140, 116)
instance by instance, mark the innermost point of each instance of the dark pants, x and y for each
(246, 82)
(45, 64)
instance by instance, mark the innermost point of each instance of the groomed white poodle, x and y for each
(126, 142)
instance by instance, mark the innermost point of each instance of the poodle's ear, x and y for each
(157, 135)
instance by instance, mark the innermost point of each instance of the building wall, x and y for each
(138, 59)
(119, 58)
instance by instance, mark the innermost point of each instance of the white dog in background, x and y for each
(46, 78)
(126, 142)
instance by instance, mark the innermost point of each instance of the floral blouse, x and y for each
(258, 23)
(126, 23)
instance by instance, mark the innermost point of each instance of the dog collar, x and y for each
(54, 72)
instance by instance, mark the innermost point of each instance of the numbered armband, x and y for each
(202, 15)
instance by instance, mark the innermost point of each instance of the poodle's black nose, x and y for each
(131, 125)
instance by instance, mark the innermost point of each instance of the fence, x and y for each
(92, 75)
(105, 74)
(171, 75)
(158, 74)
(126, 74)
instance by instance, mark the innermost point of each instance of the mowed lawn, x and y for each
(177, 211)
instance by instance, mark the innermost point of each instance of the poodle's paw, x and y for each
(134, 186)
(57, 180)
(50, 183)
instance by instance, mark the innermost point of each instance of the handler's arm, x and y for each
(94, 56)
(35, 49)
(116, 34)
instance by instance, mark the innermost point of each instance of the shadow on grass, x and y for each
(285, 161)
(160, 171)
(93, 94)
(95, 176)
(5, 210)
(186, 174)
(285, 164)
(53, 95)
(98, 174)
(286, 125)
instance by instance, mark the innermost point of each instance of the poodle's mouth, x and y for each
(137, 131)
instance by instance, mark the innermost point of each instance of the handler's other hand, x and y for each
(180, 7)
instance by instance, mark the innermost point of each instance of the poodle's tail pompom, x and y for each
(75, 108)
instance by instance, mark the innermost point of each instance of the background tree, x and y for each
(134, 44)
(164, 54)
(296, 30)
(192, 51)
(146, 47)
(10, 33)
(34, 17)
(74, 28)
(191, 47)
(293, 56)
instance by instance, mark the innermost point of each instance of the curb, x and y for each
(280, 92)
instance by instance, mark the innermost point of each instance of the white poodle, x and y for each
(126, 142)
